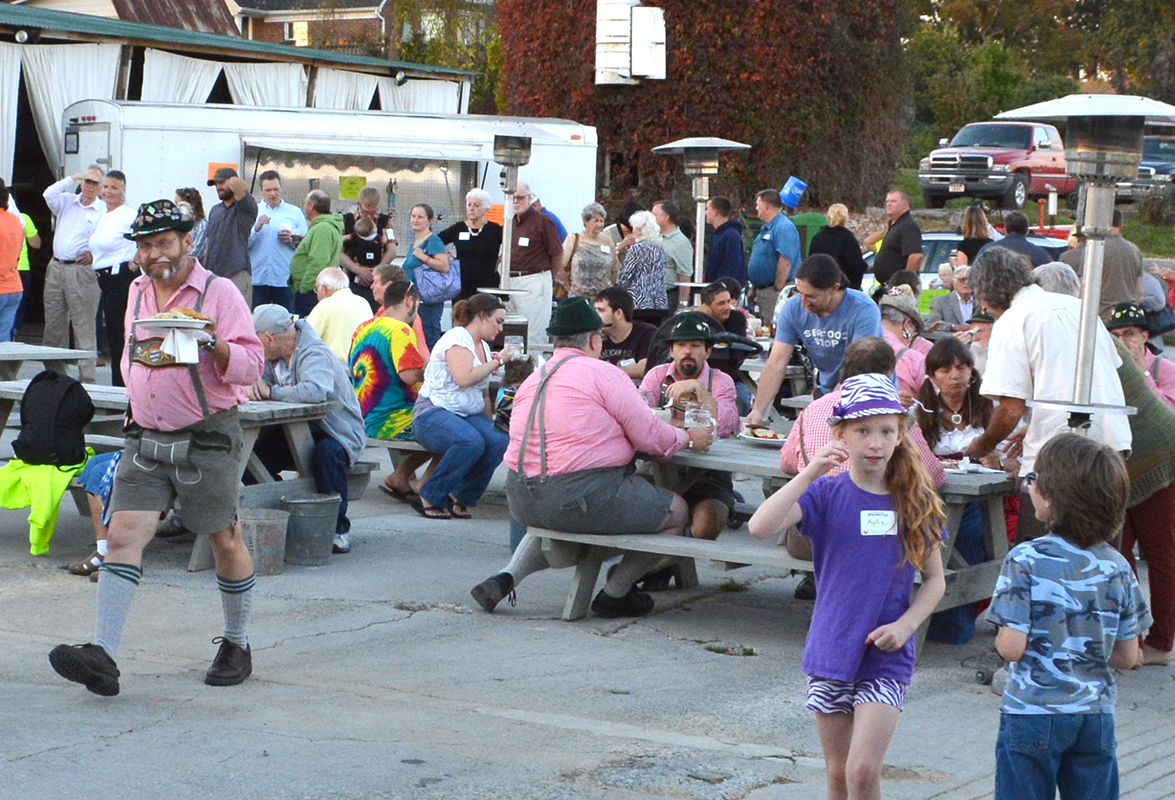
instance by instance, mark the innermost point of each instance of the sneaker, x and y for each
(342, 543)
(657, 581)
(490, 592)
(231, 666)
(87, 566)
(633, 604)
(806, 589)
(87, 664)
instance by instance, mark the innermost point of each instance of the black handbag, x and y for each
(1160, 322)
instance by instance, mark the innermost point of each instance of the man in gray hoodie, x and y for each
(300, 368)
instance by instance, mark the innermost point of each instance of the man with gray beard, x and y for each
(184, 441)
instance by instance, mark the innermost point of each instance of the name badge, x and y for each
(766, 237)
(523, 241)
(605, 248)
(463, 236)
(878, 523)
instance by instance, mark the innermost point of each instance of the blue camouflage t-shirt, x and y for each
(1073, 604)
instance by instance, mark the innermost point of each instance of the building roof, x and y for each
(209, 16)
(66, 26)
(314, 6)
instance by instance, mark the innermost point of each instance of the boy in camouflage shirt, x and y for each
(1070, 611)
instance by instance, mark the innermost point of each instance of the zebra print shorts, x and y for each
(829, 696)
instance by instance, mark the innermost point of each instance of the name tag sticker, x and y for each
(523, 241)
(605, 248)
(878, 523)
(766, 237)
(463, 236)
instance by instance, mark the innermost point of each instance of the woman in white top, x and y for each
(452, 416)
(114, 264)
(952, 413)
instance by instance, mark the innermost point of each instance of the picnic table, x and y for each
(14, 354)
(966, 583)
(293, 418)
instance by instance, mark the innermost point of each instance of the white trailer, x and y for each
(411, 158)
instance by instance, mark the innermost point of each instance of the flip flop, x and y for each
(430, 512)
(459, 510)
(396, 494)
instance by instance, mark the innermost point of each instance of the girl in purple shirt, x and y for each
(870, 528)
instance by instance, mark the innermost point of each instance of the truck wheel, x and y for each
(933, 200)
(1017, 196)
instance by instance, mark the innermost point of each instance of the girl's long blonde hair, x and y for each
(919, 510)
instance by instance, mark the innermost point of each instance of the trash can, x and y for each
(311, 530)
(264, 532)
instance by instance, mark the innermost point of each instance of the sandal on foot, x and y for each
(87, 566)
(458, 509)
(431, 512)
(396, 494)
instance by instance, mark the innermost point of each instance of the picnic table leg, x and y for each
(583, 585)
(301, 442)
(685, 573)
(201, 558)
(5, 411)
(9, 370)
(954, 507)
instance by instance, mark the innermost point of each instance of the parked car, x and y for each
(937, 247)
(1005, 162)
(1155, 174)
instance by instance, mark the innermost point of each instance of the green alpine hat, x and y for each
(979, 315)
(1125, 315)
(691, 327)
(156, 217)
(574, 315)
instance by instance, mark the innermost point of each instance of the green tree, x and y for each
(462, 34)
(1132, 42)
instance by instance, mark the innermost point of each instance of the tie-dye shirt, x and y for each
(381, 349)
(1073, 604)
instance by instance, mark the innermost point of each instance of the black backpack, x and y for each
(53, 411)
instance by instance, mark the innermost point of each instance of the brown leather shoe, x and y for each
(231, 666)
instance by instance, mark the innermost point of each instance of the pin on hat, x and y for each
(1126, 315)
(867, 395)
(691, 327)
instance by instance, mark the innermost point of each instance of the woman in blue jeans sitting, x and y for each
(452, 413)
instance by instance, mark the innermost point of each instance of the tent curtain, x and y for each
(92, 71)
(9, 95)
(273, 85)
(336, 88)
(168, 78)
(420, 96)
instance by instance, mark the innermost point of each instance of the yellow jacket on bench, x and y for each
(39, 486)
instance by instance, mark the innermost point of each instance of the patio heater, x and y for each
(512, 152)
(1103, 145)
(701, 161)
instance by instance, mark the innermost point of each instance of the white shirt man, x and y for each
(271, 244)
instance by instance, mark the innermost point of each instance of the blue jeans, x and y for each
(430, 320)
(1037, 754)
(304, 303)
(472, 450)
(9, 303)
(278, 295)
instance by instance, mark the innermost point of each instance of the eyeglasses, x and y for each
(1028, 480)
(162, 245)
(518, 197)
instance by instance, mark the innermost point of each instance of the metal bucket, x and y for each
(311, 531)
(264, 532)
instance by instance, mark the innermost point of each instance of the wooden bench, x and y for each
(587, 552)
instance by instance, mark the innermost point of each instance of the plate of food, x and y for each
(764, 436)
(176, 319)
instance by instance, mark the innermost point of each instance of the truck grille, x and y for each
(1146, 173)
(979, 163)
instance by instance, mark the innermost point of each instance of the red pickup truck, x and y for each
(1007, 162)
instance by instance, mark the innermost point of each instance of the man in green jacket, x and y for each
(319, 249)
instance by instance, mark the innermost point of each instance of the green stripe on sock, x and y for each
(236, 587)
(128, 572)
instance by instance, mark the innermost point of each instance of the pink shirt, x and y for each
(1161, 378)
(595, 418)
(813, 423)
(722, 388)
(911, 368)
(164, 398)
(923, 346)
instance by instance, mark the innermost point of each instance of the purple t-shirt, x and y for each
(855, 550)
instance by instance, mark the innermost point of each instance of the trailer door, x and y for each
(86, 144)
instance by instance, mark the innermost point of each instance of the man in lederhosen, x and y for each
(183, 441)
